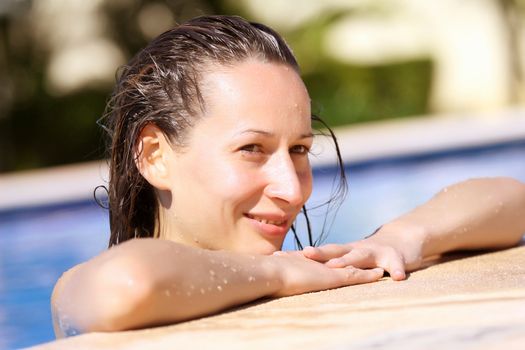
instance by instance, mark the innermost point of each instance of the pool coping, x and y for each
(442, 306)
(361, 143)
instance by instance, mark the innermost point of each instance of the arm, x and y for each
(147, 282)
(474, 214)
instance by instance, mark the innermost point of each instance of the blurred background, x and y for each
(361, 60)
(423, 93)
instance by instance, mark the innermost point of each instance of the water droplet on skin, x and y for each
(224, 264)
(202, 291)
(188, 293)
(212, 273)
(192, 287)
(219, 288)
(225, 281)
(445, 189)
(167, 292)
(465, 229)
(233, 269)
(251, 279)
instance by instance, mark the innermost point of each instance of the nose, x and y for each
(284, 182)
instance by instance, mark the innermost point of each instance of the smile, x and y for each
(266, 221)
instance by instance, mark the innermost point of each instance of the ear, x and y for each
(152, 157)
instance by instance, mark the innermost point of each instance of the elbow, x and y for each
(110, 297)
(123, 293)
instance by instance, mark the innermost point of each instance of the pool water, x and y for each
(38, 244)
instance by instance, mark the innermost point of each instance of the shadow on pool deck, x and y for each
(472, 301)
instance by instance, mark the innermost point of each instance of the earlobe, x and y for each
(152, 156)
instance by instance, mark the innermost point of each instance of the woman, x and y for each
(211, 128)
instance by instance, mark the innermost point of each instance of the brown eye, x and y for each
(251, 148)
(299, 149)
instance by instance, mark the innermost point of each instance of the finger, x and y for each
(395, 266)
(354, 275)
(326, 252)
(360, 258)
(398, 274)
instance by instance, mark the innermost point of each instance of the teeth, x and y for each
(264, 221)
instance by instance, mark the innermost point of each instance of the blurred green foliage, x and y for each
(344, 94)
(38, 129)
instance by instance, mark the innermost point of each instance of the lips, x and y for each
(269, 224)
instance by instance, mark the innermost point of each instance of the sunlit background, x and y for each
(363, 61)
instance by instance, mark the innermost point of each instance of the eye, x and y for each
(299, 149)
(251, 148)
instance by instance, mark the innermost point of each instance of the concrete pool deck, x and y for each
(467, 301)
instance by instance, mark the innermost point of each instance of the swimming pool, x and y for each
(38, 244)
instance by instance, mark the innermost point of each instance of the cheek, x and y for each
(232, 184)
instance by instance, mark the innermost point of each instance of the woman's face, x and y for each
(244, 173)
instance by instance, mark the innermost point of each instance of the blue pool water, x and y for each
(38, 244)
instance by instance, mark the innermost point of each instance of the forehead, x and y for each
(253, 90)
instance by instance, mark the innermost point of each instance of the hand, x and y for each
(392, 248)
(301, 275)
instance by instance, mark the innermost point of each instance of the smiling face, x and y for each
(244, 172)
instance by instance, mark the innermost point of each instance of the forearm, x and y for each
(475, 214)
(151, 282)
(196, 282)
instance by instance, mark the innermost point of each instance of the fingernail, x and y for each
(398, 275)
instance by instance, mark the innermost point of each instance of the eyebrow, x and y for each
(270, 134)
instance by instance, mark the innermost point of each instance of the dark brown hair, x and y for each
(160, 85)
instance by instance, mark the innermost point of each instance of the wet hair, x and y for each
(160, 85)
